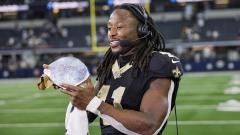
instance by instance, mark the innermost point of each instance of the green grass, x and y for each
(24, 110)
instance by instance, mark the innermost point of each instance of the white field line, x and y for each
(43, 95)
(29, 101)
(46, 94)
(171, 123)
(197, 74)
(38, 110)
(206, 122)
(196, 107)
(204, 74)
(203, 97)
(31, 125)
(30, 98)
(59, 110)
(56, 110)
(201, 122)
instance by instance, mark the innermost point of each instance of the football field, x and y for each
(24, 110)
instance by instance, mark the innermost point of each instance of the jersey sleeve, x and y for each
(165, 65)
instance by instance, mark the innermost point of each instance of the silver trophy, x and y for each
(68, 70)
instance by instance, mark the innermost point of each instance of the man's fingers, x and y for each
(70, 93)
(69, 87)
(45, 66)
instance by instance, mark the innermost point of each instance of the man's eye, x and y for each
(119, 27)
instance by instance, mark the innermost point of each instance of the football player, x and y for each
(137, 82)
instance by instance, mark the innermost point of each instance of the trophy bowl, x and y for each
(68, 70)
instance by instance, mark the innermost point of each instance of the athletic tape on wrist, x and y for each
(93, 105)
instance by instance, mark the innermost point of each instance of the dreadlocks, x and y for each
(143, 52)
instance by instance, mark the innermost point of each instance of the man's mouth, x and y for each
(114, 43)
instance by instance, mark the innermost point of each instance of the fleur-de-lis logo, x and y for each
(176, 72)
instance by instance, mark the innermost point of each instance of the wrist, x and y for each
(93, 105)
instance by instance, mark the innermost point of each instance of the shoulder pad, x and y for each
(165, 64)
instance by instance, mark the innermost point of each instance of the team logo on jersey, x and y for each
(176, 72)
(117, 71)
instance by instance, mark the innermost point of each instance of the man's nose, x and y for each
(113, 31)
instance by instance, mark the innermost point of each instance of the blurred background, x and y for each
(204, 34)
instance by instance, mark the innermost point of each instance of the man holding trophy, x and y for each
(137, 82)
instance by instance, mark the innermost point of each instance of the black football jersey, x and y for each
(123, 91)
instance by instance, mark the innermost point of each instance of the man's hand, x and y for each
(80, 96)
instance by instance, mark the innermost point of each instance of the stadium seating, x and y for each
(71, 35)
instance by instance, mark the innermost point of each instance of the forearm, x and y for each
(154, 110)
(136, 121)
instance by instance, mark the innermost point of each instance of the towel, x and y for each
(76, 121)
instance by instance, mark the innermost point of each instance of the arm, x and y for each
(154, 108)
(153, 111)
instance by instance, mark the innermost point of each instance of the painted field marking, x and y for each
(31, 110)
(171, 123)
